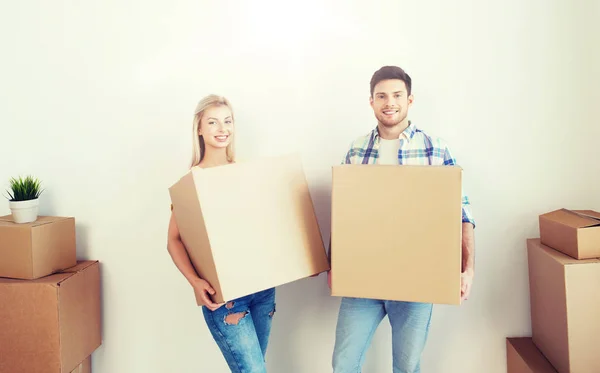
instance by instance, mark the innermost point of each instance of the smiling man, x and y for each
(397, 141)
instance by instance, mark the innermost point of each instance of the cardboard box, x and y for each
(396, 232)
(573, 232)
(84, 367)
(522, 356)
(565, 300)
(52, 324)
(249, 226)
(33, 250)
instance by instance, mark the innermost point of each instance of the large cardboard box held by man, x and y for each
(33, 250)
(396, 232)
(51, 324)
(522, 356)
(573, 232)
(249, 226)
(565, 299)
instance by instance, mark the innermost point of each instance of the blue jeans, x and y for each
(359, 318)
(241, 329)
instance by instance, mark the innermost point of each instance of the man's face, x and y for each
(390, 102)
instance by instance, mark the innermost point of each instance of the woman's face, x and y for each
(216, 126)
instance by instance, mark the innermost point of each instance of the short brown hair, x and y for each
(390, 72)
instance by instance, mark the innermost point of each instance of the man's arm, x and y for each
(468, 247)
(468, 261)
(468, 237)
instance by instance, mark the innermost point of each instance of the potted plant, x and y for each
(24, 199)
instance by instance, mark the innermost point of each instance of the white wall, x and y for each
(97, 100)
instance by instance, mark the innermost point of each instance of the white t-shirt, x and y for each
(388, 151)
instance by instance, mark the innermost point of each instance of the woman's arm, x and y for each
(179, 254)
(182, 261)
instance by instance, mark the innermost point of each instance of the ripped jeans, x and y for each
(241, 329)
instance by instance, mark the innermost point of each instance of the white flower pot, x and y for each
(24, 211)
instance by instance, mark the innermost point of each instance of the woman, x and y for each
(242, 326)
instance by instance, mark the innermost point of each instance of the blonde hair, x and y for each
(198, 142)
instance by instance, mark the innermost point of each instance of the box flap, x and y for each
(574, 218)
(529, 357)
(7, 220)
(591, 214)
(81, 265)
(54, 279)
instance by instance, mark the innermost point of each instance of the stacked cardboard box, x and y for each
(564, 284)
(49, 302)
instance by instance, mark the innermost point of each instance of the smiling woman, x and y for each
(213, 128)
(242, 327)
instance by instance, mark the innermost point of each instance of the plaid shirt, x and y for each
(416, 148)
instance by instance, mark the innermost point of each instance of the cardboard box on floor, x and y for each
(573, 232)
(84, 367)
(565, 299)
(51, 324)
(34, 250)
(396, 232)
(249, 226)
(522, 356)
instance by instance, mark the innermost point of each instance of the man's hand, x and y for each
(466, 282)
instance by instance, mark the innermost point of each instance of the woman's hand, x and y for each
(203, 291)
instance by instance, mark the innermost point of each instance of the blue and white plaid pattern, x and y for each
(416, 148)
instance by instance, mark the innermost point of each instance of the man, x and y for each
(395, 141)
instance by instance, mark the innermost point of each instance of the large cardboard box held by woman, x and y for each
(249, 226)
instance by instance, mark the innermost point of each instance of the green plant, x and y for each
(24, 189)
